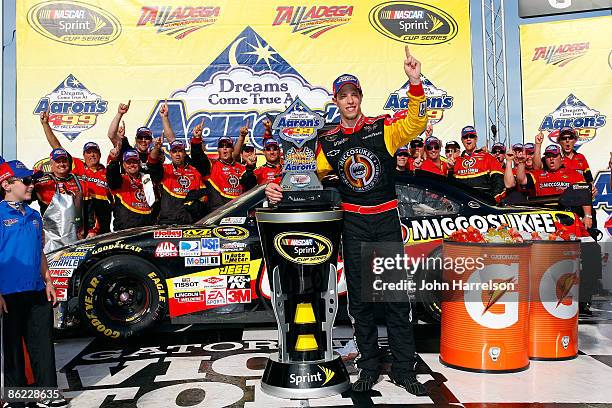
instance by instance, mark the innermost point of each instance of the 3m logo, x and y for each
(238, 295)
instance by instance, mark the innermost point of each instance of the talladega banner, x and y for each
(229, 62)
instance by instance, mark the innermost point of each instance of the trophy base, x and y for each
(305, 380)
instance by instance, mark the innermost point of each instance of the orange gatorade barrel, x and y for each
(553, 312)
(485, 306)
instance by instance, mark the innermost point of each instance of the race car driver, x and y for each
(222, 175)
(93, 173)
(365, 167)
(177, 179)
(269, 171)
(477, 168)
(131, 208)
(433, 163)
(553, 180)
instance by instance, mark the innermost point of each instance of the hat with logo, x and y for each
(468, 130)
(402, 149)
(91, 145)
(432, 140)
(518, 146)
(452, 145)
(144, 132)
(177, 145)
(529, 148)
(225, 139)
(14, 168)
(499, 146)
(131, 154)
(248, 147)
(567, 131)
(58, 153)
(270, 142)
(416, 142)
(552, 149)
(345, 79)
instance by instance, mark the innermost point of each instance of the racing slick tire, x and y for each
(122, 296)
(430, 301)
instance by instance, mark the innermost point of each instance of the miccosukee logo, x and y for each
(413, 23)
(560, 55)
(313, 21)
(74, 23)
(178, 21)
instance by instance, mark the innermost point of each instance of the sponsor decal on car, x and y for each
(166, 250)
(74, 23)
(231, 233)
(178, 21)
(209, 260)
(167, 234)
(233, 246)
(238, 295)
(238, 281)
(189, 248)
(413, 22)
(60, 273)
(190, 297)
(233, 220)
(197, 233)
(115, 246)
(210, 246)
(72, 107)
(232, 258)
(313, 20)
(216, 297)
(61, 294)
(60, 282)
(214, 282)
(187, 284)
(303, 248)
(234, 269)
(64, 263)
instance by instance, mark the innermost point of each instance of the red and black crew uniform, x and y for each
(131, 208)
(99, 194)
(363, 158)
(176, 181)
(264, 174)
(479, 169)
(222, 177)
(434, 163)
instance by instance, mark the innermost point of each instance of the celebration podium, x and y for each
(300, 238)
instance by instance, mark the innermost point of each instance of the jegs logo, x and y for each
(249, 80)
(560, 55)
(178, 21)
(572, 112)
(72, 107)
(313, 21)
(74, 23)
(438, 100)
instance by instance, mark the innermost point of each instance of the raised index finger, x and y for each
(128, 104)
(407, 51)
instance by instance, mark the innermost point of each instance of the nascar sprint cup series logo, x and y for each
(313, 21)
(413, 23)
(438, 100)
(575, 114)
(74, 23)
(72, 107)
(178, 21)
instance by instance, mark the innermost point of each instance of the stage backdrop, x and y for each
(567, 81)
(228, 62)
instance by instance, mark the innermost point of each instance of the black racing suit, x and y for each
(363, 159)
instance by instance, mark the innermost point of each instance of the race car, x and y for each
(123, 283)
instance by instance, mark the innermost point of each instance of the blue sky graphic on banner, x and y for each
(249, 80)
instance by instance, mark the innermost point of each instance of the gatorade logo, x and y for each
(479, 304)
(559, 289)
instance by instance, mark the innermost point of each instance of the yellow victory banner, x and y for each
(229, 63)
(567, 82)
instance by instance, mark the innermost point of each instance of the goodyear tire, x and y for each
(122, 296)
(430, 301)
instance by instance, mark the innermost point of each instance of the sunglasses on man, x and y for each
(470, 136)
(498, 151)
(433, 147)
(27, 181)
(565, 138)
(225, 146)
(449, 151)
(403, 154)
(144, 137)
(416, 145)
(271, 149)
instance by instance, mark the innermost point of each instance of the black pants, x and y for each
(384, 228)
(30, 316)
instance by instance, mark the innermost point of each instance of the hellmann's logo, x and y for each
(413, 22)
(74, 23)
(324, 376)
(303, 248)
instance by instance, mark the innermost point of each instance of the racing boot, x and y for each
(410, 383)
(365, 382)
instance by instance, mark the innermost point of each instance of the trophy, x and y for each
(300, 239)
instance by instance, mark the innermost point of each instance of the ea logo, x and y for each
(360, 169)
(467, 163)
(184, 181)
(559, 289)
(479, 303)
(233, 181)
